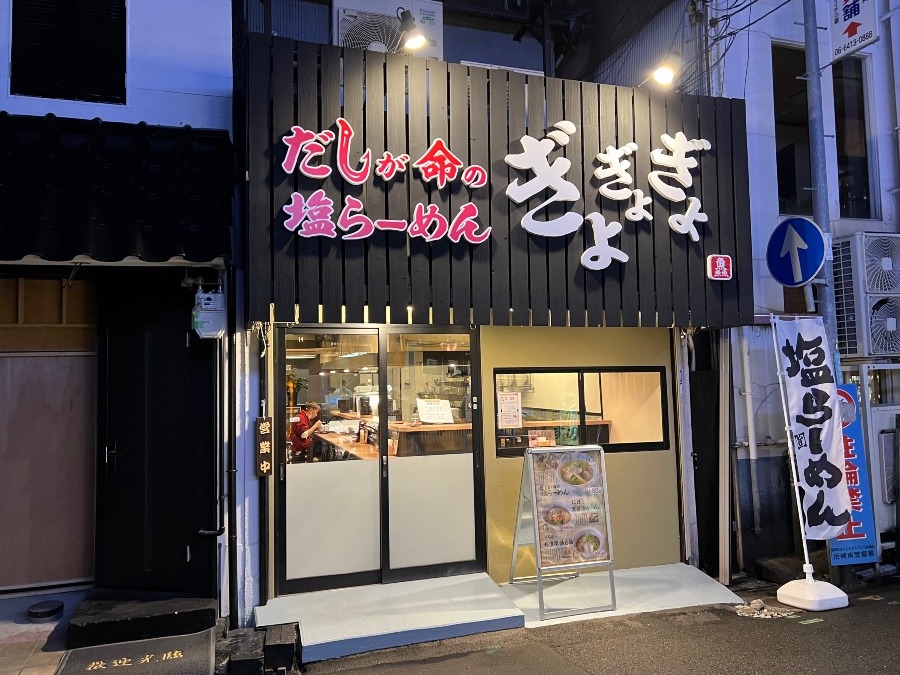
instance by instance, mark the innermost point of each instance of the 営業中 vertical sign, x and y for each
(264, 455)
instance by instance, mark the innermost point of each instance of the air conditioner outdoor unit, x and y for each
(375, 25)
(867, 295)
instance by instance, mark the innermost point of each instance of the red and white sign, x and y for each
(718, 267)
(853, 25)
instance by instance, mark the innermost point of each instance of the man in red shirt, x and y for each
(302, 431)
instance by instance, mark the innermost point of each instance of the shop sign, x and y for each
(812, 406)
(264, 453)
(570, 506)
(718, 267)
(858, 543)
(853, 25)
(314, 215)
(614, 165)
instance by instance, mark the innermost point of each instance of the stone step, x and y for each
(105, 618)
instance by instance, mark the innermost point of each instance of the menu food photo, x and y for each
(570, 507)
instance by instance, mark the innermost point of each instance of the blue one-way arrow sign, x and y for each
(796, 252)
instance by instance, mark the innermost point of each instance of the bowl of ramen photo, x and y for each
(590, 544)
(557, 514)
(577, 470)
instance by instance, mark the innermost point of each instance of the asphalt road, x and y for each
(860, 639)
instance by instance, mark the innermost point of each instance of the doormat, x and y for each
(191, 654)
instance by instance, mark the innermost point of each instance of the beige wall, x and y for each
(643, 488)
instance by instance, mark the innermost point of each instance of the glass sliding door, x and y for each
(380, 474)
(431, 454)
(332, 482)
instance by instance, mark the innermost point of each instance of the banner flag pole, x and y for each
(807, 593)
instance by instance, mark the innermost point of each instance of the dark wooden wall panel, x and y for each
(539, 299)
(710, 189)
(354, 250)
(376, 201)
(439, 127)
(574, 243)
(259, 198)
(590, 134)
(284, 115)
(479, 153)
(743, 250)
(460, 254)
(501, 206)
(419, 249)
(401, 104)
(309, 260)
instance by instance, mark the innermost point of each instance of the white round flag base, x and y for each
(814, 596)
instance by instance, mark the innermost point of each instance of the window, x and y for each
(69, 49)
(852, 146)
(791, 131)
(621, 408)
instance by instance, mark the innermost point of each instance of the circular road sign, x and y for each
(796, 252)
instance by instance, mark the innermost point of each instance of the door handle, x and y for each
(114, 454)
(384, 467)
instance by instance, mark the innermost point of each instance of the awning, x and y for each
(89, 190)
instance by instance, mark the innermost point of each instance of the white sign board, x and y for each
(509, 410)
(434, 411)
(853, 25)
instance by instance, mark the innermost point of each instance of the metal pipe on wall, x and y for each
(747, 393)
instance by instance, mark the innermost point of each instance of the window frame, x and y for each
(69, 88)
(663, 444)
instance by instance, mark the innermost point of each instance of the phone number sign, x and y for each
(853, 25)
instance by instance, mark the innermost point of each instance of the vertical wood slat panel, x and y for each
(680, 242)
(575, 242)
(724, 157)
(479, 153)
(397, 189)
(714, 289)
(309, 260)
(537, 246)
(461, 253)
(419, 249)
(743, 251)
(518, 237)
(259, 201)
(557, 277)
(649, 294)
(593, 280)
(440, 250)
(332, 249)
(625, 129)
(549, 267)
(666, 285)
(376, 246)
(355, 250)
(501, 205)
(696, 250)
(614, 274)
(284, 241)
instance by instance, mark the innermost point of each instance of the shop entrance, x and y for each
(381, 470)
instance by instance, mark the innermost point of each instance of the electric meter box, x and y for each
(209, 318)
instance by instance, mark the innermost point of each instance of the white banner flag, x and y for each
(814, 418)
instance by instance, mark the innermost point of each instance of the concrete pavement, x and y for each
(860, 639)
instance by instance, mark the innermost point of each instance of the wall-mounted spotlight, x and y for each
(412, 36)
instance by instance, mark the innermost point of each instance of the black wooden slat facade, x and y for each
(401, 104)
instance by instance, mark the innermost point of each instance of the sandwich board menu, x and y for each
(564, 513)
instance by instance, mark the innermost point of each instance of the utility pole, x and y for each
(820, 177)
